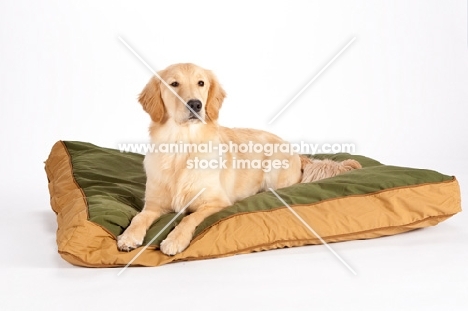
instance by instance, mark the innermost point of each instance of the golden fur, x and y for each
(171, 184)
(319, 169)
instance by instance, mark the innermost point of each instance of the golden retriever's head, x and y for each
(198, 87)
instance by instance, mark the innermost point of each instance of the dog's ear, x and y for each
(151, 100)
(216, 95)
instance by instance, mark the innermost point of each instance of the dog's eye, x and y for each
(175, 84)
(201, 83)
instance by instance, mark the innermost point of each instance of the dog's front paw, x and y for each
(127, 242)
(175, 243)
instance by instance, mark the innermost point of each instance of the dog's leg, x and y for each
(314, 169)
(180, 237)
(136, 231)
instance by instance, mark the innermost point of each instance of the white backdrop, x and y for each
(399, 92)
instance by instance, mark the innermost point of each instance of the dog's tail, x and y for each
(313, 169)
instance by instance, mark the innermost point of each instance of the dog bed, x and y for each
(96, 191)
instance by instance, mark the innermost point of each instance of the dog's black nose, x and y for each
(195, 104)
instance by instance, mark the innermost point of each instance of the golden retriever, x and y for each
(173, 180)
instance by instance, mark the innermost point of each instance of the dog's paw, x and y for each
(175, 243)
(128, 242)
(351, 164)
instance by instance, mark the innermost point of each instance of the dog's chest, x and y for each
(181, 157)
